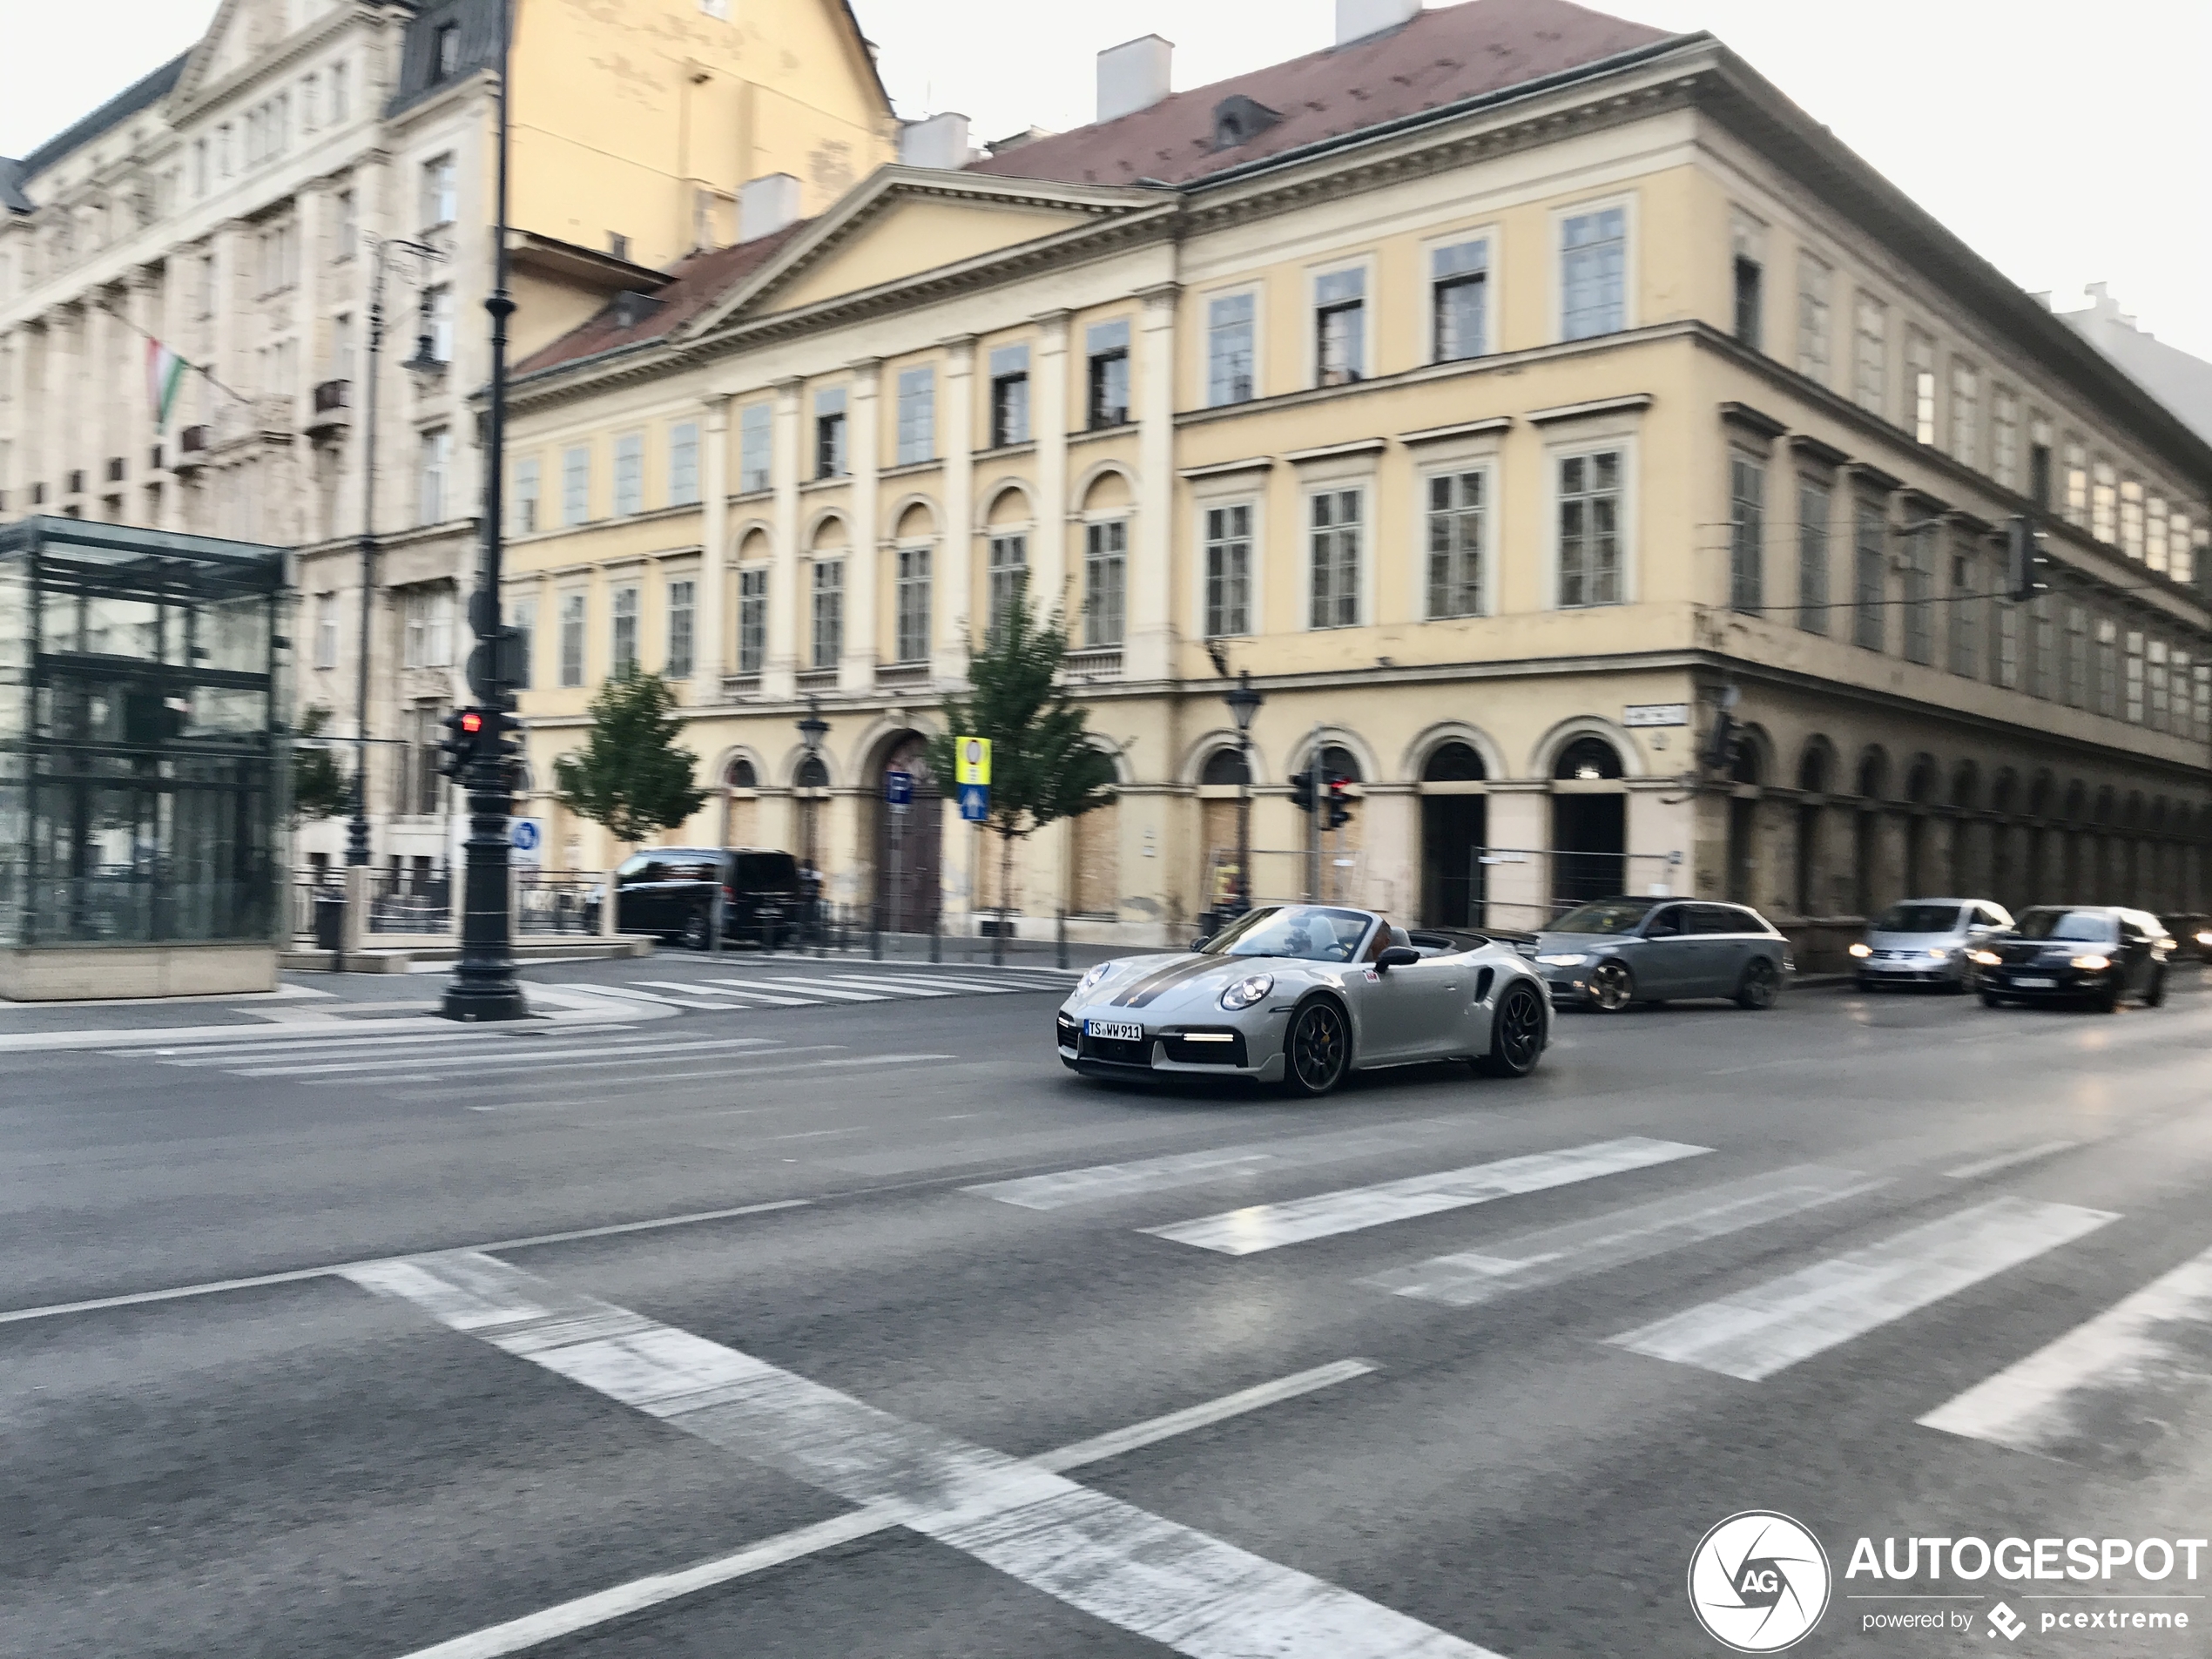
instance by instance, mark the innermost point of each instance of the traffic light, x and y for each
(1302, 791)
(1339, 801)
(464, 732)
(2023, 557)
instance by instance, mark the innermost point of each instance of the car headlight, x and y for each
(1862, 951)
(2093, 963)
(1570, 958)
(2205, 937)
(1093, 976)
(1245, 992)
(1986, 958)
(1939, 954)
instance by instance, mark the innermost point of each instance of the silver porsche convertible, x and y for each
(1304, 994)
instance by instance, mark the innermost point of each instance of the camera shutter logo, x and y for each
(1758, 1581)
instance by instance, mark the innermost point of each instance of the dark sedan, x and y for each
(2093, 954)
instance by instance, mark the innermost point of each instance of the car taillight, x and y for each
(729, 896)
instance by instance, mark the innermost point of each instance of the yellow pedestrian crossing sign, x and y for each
(974, 760)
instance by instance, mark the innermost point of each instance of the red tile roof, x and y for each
(1441, 57)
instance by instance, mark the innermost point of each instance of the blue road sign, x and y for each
(898, 787)
(974, 802)
(525, 834)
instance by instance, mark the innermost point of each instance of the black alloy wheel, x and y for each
(1516, 1034)
(695, 932)
(1612, 987)
(1761, 985)
(1317, 1052)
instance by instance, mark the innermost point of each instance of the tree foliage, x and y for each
(631, 775)
(320, 786)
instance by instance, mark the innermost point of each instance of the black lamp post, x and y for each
(483, 986)
(1244, 703)
(811, 731)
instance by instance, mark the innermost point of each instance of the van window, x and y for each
(767, 872)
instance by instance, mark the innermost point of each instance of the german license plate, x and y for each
(1114, 1030)
(2027, 982)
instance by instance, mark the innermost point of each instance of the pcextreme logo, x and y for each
(1758, 1581)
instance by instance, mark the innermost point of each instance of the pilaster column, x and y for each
(787, 612)
(1049, 558)
(955, 619)
(1149, 653)
(708, 642)
(863, 620)
(170, 330)
(1517, 894)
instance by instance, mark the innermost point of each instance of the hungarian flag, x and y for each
(165, 374)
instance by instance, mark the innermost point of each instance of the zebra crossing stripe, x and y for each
(816, 987)
(2107, 1391)
(1770, 1327)
(1269, 1226)
(742, 987)
(1173, 1170)
(869, 981)
(519, 1060)
(935, 981)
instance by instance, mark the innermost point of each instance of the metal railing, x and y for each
(551, 902)
(402, 902)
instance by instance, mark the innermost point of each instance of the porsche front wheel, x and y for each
(1317, 1052)
(1516, 1034)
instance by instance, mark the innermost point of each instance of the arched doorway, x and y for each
(1743, 825)
(1813, 784)
(1455, 824)
(1222, 783)
(1342, 878)
(909, 846)
(740, 803)
(1589, 827)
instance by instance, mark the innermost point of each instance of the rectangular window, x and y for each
(2042, 648)
(1813, 285)
(522, 616)
(829, 612)
(829, 433)
(2007, 644)
(326, 630)
(2204, 673)
(622, 661)
(1229, 349)
(752, 621)
(911, 644)
(1965, 413)
(2038, 463)
(629, 474)
(1228, 570)
(340, 93)
(2133, 707)
(682, 623)
(683, 463)
(756, 447)
(2077, 484)
(1749, 267)
(1007, 578)
(576, 484)
(1458, 300)
(1456, 504)
(2154, 527)
(1341, 327)
(2104, 503)
(1105, 582)
(2107, 667)
(436, 452)
(917, 416)
(440, 201)
(1106, 350)
(1009, 396)
(414, 628)
(2131, 519)
(348, 226)
(1589, 529)
(2181, 549)
(1746, 533)
(2004, 437)
(2159, 711)
(439, 653)
(1336, 519)
(1919, 595)
(1920, 385)
(2074, 661)
(1965, 613)
(1814, 501)
(1593, 273)
(1870, 581)
(571, 639)
(526, 487)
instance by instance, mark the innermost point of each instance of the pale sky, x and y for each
(2065, 142)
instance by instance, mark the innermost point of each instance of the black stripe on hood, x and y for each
(1153, 986)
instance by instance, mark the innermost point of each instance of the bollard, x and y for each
(937, 936)
(1063, 938)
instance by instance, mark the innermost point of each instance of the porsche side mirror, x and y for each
(1397, 956)
(1202, 942)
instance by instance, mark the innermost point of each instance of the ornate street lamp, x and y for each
(811, 731)
(1244, 703)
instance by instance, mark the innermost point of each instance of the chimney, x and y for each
(1357, 19)
(766, 206)
(941, 141)
(1133, 76)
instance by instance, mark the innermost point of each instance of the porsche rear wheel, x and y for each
(1317, 1052)
(1516, 1034)
(1612, 987)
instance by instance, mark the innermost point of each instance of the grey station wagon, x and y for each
(1612, 952)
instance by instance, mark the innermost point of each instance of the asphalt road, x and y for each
(817, 1311)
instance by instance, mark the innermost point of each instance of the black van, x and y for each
(670, 891)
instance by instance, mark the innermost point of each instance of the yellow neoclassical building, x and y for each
(1507, 390)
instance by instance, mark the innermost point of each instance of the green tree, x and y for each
(319, 787)
(631, 775)
(1044, 766)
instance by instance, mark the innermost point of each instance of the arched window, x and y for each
(812, 774)
(1224, 766)
(1745, 768)
(739, 774)
(1587, 758)
(1812, 769)
(1454, 762)
(1334, 757)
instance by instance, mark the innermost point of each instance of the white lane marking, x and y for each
(301, 1275)
(2006, 1160)
(1189, 1591)
(600, 1014)
(519, 1636)
(1770, 1327)
(1173, 1170)
(421, 1048)
(1554, 1255)
(742, 987)
(1269, 1226)
(2111, 1388)
(519, 1060)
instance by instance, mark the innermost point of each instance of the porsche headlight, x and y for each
(1245, 992)
(1570, 958)
(1093, 976)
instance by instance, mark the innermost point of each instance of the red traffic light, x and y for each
(472, 722)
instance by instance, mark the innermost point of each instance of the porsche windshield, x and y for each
(1606, 916)
(1309, 933)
